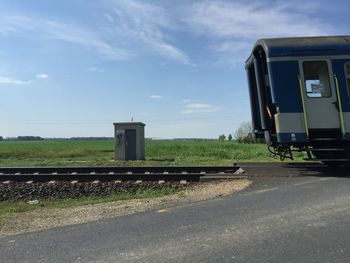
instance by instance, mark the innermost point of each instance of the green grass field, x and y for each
(101, 152)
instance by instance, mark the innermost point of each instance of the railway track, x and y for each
(32, 183)
(105, 174)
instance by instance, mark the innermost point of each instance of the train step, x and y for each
(328, 150)
(324, 139)
(334, 160)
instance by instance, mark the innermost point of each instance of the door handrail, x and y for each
(304, 108)
(340, 106)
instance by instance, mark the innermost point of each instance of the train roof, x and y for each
(304, 46)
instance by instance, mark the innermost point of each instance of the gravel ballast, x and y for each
(15, 191)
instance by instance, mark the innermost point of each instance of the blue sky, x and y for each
(72, 68)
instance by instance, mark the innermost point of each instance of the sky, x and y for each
(71, 68)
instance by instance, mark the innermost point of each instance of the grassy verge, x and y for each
(9, 207)
(101, 152)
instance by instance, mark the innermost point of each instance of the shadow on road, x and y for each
(294, 169)
(321, 170)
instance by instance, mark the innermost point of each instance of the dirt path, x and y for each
(45, 218)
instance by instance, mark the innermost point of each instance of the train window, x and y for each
(316, 77)
(347, 76)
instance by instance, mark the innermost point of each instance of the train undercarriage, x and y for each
(330, 150)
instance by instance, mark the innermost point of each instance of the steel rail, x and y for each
(85, 174)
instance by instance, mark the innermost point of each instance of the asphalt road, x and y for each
(302, 217)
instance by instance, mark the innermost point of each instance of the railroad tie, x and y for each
(29, 182)
(239, 171)
(74, 176)
(183, 182)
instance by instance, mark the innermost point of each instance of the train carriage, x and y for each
(300, 96)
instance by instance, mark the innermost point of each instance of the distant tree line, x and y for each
(23, 138)
(30, 138)
(91, 138)
(181, 139)
(38, 138)
(192, 139)
(243, 134)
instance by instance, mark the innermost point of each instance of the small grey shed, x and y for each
(129, 140)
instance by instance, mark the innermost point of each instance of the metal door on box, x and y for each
(130, 144)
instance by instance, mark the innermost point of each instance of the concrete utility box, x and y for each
(129, 140)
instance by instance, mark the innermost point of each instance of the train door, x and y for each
(320, 95)
(130, 144)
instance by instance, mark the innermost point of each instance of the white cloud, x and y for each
(150, 14)
(233, 27)
(169, 51)
(11, 24)
(147, 23)
(94, 69)
(156, 97)
(109, 17)
(135, 27)
(228, 19)
(199, 107)
(228, 29)
(5, 80)
(42, 76)
(77, 35)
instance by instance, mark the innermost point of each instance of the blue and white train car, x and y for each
(300, 95)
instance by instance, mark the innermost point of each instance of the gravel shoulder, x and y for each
(45, 218)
